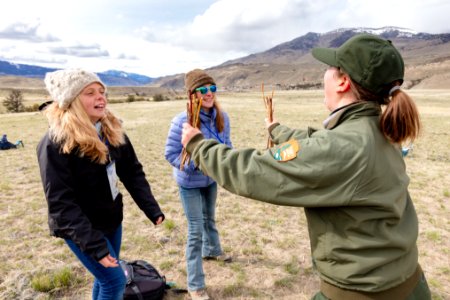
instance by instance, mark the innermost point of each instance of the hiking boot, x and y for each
(221, 257)
(199, 295)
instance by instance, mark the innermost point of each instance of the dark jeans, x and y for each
(109, 283)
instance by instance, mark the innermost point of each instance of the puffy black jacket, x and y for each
(80, 204)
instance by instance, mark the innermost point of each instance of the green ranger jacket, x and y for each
(352, 183)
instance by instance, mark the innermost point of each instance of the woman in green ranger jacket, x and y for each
(350, 176)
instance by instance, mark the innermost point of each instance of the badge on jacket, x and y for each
(286, 151)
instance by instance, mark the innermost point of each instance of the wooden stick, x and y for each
(193, 116)
(184, 154)
(269, 111)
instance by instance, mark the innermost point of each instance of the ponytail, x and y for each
(400, 120)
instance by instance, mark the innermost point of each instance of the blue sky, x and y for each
(166, 37)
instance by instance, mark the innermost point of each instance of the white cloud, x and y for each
(24, 31)
(159, 38)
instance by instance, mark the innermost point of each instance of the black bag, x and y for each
(143, 281)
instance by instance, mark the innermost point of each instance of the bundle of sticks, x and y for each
(193, 117)
(269, 111)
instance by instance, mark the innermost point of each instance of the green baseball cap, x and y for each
(370, 61)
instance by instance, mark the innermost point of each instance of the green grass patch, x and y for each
(292, 267)
(169, 225)
(433, 236)
(166, 265)
(46, 281)
(285, 282)
(446, 193)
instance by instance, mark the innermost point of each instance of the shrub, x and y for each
(158, 97)
(131, 98)
(14, 102)
(34, 107)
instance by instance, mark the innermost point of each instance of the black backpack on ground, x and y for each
(143, 281)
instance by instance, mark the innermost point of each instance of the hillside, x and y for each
(291, 66)
(20, 82)
(286, 66)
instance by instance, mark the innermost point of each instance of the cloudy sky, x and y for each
(165, 37)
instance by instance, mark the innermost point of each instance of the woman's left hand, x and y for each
(160, 220)
(108, 261)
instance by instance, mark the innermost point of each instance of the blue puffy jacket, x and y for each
(191, 177)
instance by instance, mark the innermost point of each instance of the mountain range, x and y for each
(110, 78)
(290, 65)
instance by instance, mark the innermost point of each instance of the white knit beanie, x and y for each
(65, 85)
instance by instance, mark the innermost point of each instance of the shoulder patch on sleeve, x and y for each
(286, 151)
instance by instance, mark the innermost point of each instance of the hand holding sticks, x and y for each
(193, 116)
(269, 110)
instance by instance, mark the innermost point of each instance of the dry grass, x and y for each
(269, 243)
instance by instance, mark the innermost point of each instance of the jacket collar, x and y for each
(204, 116)
(357, 109)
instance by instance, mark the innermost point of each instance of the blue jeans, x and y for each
(203, 238)
(109, 283)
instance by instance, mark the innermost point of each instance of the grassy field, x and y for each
(270, 244)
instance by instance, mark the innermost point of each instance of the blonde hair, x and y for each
(73, 130)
